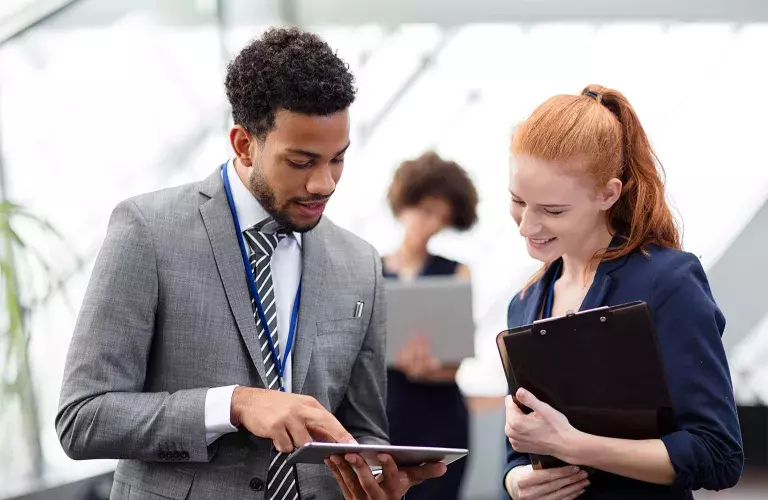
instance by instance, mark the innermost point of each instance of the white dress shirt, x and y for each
(286, 274)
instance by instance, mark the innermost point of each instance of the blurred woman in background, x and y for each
(425, 405)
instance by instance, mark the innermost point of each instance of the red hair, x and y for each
(601, 127)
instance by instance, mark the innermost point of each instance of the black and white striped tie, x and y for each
(262, 240)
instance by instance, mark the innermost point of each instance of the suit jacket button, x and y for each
(162, 455)
(184, 455)
(256, 484)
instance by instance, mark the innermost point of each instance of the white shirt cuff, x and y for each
(218, 404)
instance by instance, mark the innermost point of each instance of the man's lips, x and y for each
(312, 208)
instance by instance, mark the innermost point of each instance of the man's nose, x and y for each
(321, 182)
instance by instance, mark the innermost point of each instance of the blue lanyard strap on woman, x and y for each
(255, 292)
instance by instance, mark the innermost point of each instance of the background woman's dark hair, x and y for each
(431, 176)
(286, 68)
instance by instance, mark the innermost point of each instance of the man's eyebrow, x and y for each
(303, 152)
(312, 154)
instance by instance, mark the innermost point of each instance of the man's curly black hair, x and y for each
(286, 69)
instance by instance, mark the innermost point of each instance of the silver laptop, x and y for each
(437, 307)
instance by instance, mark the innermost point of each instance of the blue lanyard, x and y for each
(255, 292)
(551, 293)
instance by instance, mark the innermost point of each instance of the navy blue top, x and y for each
(706, 451)
(429, 413)
(405, 397)
(433, 266)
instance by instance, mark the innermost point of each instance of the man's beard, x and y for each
(266, 197)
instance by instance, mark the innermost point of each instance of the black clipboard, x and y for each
(601, 368)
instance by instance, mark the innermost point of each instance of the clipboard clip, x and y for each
(572, 314)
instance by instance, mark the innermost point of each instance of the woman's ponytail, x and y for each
(641, 214)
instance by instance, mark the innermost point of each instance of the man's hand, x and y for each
(358, 483)
(289, 420)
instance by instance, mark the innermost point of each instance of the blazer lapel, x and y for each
(602, 282)
(535, 295)
(597, 292)
(226, 252)
(315, 265)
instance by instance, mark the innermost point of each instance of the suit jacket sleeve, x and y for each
(514, 459)
(706, 451)
(103, 412)
(363, 410)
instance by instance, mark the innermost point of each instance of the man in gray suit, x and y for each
(226, 322)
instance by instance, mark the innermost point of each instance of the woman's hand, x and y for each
(416, 361)
(562, 483)
(545, 431)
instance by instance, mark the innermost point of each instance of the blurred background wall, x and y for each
(104, 99)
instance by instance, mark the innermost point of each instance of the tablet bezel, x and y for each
(404, 456)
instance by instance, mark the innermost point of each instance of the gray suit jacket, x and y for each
(167, 315)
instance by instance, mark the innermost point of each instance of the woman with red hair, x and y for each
(587, 194)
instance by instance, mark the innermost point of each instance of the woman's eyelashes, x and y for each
(551, 213)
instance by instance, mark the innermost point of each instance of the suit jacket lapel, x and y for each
(602, 282)
(226, 252)
(534, 297)
(597, 291)
(596, 294)
(315, 265)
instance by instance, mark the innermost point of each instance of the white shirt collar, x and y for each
(249, 210)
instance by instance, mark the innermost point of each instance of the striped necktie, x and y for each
(262, 240)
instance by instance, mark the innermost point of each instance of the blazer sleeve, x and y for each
(514, 458)
(103, 411)
(363, 410)
(706, 450)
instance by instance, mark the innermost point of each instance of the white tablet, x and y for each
(439, 308)
(404, 456)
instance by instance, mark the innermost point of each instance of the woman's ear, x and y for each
(610, 193)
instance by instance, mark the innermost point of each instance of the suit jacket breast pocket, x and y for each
(341, 327)
(337, 347)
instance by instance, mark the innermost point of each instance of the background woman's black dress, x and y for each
(429, 414)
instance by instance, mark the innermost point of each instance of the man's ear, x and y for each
(242, 142)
